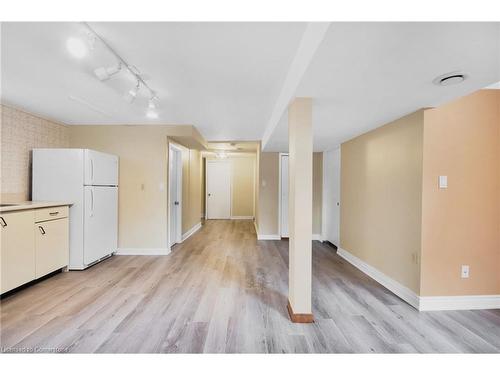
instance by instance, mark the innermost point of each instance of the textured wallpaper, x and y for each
(20, 133)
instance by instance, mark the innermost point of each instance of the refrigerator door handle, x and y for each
(91, 202)
(92, 170)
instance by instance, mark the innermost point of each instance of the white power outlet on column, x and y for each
(465, 271)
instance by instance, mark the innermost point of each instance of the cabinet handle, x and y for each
(42, 231)
(53, 213)
(4, 223)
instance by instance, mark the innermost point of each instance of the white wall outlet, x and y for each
(443, 182)
(465, 271)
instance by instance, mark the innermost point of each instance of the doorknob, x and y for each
(176, 203)
(209, 194)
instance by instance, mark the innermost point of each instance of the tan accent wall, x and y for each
(317, 192)
(268, 205)
(20, 133)
(243, 186)
(268, 193)
(142, 200)
(191, 189)
(461, 224)
(381, 198)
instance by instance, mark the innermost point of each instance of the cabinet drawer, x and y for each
(51, 246)
(51, 213)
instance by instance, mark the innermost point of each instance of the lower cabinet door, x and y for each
(51, 246)
(17, 249)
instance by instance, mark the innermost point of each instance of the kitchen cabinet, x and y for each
(18, 250)
(34, 243)
(51, 246)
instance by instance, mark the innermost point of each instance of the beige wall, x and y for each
(191, 188)
(267, 220)
(142, 201)
(317, 192)
(268, 205)
(381, 181)
(461, 224)
(142, 204)
(242, 184)
(20, 133)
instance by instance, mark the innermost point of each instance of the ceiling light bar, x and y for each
(120, 59)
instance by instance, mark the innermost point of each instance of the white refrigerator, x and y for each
(88, 180)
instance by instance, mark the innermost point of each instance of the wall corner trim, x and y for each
(394, 286)
(191, 231)
(142, 251)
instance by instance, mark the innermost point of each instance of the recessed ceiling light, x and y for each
(77, 47)
(449, 79)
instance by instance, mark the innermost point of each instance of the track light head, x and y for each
(105, 73)
(132, 93)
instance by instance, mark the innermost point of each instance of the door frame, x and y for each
(281, 154)
(230, 186)
(173, 148)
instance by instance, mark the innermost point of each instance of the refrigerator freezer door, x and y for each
(100, 168)
(100, 222)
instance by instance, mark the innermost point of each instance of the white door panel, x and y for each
(175, 196)
(331, 196)
(284, 196)
(218, 189)
(100, 168)
(100, 222)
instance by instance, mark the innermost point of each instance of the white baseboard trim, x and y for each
(268, 237)
(241, 217)
(317, 237)
(394, 286)
(479, 302)
(190, 232)
(142, 251)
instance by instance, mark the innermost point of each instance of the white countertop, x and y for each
(30, 205)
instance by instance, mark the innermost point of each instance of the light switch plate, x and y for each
(443, 182)
(465, 271)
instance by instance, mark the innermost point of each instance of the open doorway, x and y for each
(175, 194)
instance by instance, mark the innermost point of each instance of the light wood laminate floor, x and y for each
(224, 291)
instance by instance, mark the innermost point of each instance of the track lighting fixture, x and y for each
(132, 93)
(78, 48)
(105, 73)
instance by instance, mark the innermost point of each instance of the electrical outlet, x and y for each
(465, 271)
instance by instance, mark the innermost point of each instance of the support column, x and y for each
(300, 163)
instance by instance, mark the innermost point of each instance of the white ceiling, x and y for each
(221, 77)
(364, 75)
(227, 79)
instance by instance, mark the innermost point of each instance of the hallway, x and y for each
(224, 291)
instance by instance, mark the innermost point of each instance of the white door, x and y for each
(175, 195)
(100, 228)
(218, 189)
(101, 168)
(331, 196)
(284, 195)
